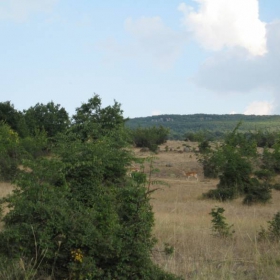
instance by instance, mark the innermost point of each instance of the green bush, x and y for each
(35, 146)
(149, 137)
(220, 228)
(222, 194)
(273, 231)
(10, 153)
(77, 215)
(257, 193)
(276, 186)
(233, 162)
(264, 174)
(204, 146)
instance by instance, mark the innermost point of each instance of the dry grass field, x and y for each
(182, 220)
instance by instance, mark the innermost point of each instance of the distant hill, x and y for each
(179, 125)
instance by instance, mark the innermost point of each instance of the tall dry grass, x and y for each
(182, 220)
(5, 189)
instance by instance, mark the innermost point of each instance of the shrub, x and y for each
(257, 193)
(273, 231)
(264, 174)
(233, 161)
(220, 227)
(222, 194)
(77, 215)
(150, 137)
(37, 145)
(204, 147)
(9, 152)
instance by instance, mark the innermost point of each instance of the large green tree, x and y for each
(50, 117)
(12, 117)
(77, 215)
(91, 120)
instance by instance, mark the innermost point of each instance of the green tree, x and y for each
(220, 227)
(13, 118)
(92, 121)
(10, 152)
(78, 216)
(233, 162)
(149, 137)
(50, 117)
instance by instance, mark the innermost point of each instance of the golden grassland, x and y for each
(182, 220)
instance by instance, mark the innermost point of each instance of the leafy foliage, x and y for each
(232, 161)
(273, 231)
(50, 118)
(150, 137)
(257, 192)
(76, 215)
(92, 121)
(220, 228)
(9, 152)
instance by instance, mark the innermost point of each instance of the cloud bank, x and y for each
(232, 71)
(259, 108)
(232, 23)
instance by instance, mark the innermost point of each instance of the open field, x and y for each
(182, 220)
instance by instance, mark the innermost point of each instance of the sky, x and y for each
(154, 57)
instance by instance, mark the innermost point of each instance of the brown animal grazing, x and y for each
(191, 174)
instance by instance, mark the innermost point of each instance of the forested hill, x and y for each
(179, 125)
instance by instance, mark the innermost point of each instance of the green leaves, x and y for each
(76, 208)
(150, 137)
(220, 227)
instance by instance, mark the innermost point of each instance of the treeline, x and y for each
(74, 212)
(218, 125)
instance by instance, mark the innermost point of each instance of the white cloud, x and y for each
(259, 108)
(21, 10)
(232, 72)
(226, 23)
(156, 113)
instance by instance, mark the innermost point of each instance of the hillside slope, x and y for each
(179, 125)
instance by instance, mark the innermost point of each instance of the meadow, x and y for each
(183, 223)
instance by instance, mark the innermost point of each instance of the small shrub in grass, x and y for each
(264, 174)
(222, 194)
(204, 147)
(149, 137)
(276, 186)
(273, 231)
(220, 227)
(257, 193)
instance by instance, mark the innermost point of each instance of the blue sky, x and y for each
(153, 57)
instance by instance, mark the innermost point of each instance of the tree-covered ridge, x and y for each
(179, 125)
